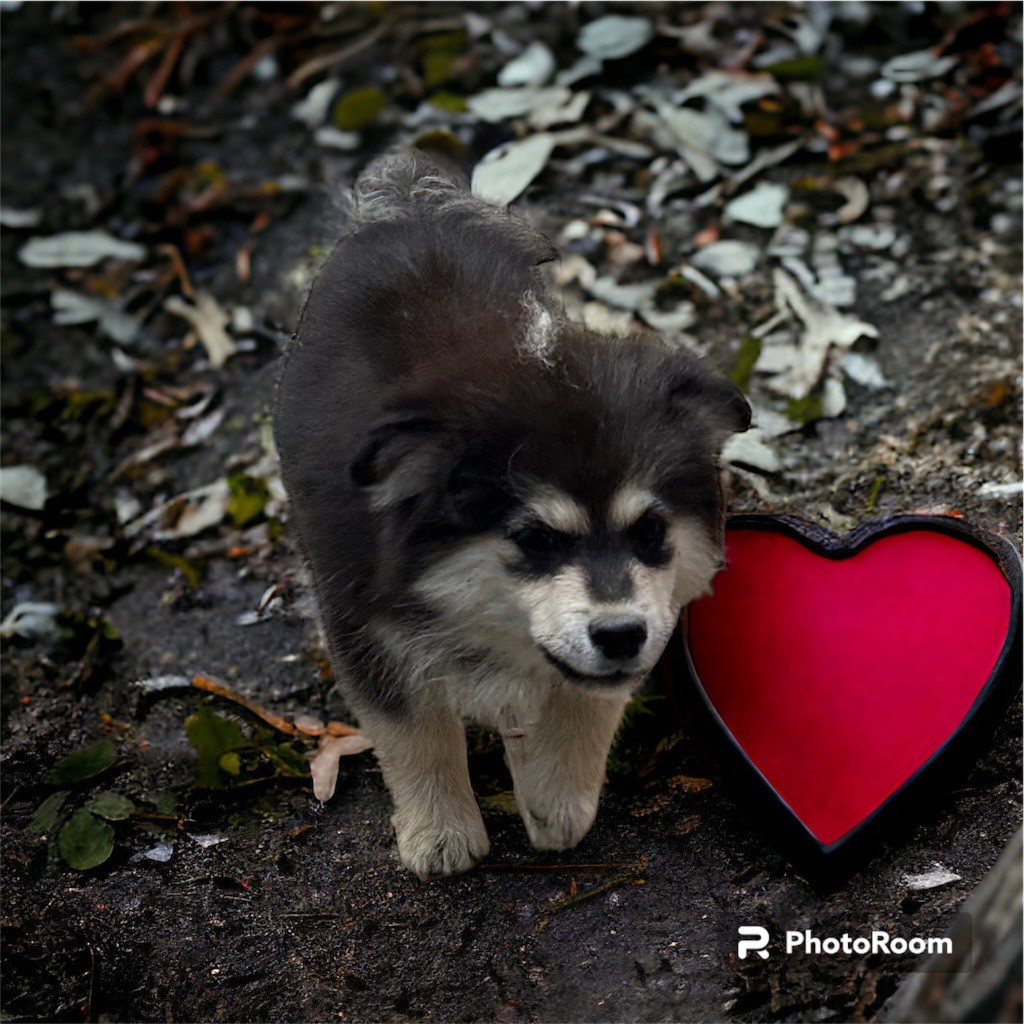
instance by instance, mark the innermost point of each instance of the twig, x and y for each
(173, 253)
(157, 84)
(237, 74)
(579, 897)
(329, 60)
(636, 866)
(273, 720)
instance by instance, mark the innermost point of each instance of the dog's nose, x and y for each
(618, 639)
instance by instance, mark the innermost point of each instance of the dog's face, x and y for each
(569, 521)
(601, 587)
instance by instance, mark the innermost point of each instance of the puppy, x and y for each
(503, 512)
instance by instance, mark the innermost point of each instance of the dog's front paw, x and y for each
(439, 849)
(559, 823)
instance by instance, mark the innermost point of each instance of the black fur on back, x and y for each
(411, 411)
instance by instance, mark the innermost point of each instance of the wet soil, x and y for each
(303, 913)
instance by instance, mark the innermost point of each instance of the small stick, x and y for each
(562, 866)
(579, 897)
(330, 60)
(273, 720)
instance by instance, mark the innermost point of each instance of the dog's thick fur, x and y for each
(502, 512)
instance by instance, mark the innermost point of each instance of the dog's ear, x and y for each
(399, 457)
(694, 390)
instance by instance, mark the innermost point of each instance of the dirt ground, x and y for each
(266, 904)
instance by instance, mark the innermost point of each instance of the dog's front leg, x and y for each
(557, 756)
(437, 821)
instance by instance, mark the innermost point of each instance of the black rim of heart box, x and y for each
(716, 744)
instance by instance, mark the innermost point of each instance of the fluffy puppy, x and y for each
(503, 512)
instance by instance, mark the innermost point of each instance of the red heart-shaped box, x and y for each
(836, 672)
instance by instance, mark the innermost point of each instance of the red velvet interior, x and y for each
(839, 679)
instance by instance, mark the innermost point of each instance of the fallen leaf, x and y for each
(161, 853)
(206, 841)
(864, 370)
(534, 66)
(72, 308)
(14, 219)
(495, 105)
(823, 327)
(323, 767)
(333, 138)
(750, 449)
(33, 620)
(85, 842)
(931, 879)
(83, 764)
(77, 249)
(111, 806)
(917, 66)
(729, 258)
(584, 67)
(212, 736)
(359, 108)
(312, 110)
(762, 206)
(615, 36)
(23, 486)
(185, 514)
(209, 322)
(569, 112)
(729, 91)
(623, 296)
(48, 815)
(504, 172)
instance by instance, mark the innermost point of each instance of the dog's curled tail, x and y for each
(400, 184)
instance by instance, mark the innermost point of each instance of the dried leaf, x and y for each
(77, 249)
(72, 308)
(324, 765)
(534, 66)
(312, 110)
(209, 322)
(823, 327)
(14, 219)
(762, 206)
(614, 36)
(729, 90)
(936, 876)
(23, 486)
(495, 105)
(864, 370)
(917, 66)
(331, 138)
(750, 449)
(33, 620)
(505, 172)
(729, 258)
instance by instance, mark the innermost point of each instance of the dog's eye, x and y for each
(537, 540)
(647, 534)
